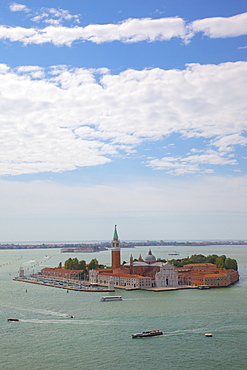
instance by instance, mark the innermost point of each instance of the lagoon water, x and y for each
(99, 335)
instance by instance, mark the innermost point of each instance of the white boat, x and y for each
(111, 298)
(208, 335)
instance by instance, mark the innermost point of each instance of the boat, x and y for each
(208, 335)
(111, 298)
(13, 320)
(71, 316)
(149, 333)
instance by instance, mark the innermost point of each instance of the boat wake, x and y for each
(40, 321)
(48, 312)
(90, 322)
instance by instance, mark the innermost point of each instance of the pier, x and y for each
(69, 286)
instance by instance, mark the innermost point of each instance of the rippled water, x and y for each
(99, 335)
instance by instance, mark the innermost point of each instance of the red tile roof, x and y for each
(124, 275)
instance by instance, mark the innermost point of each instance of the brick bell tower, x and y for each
(115, 252)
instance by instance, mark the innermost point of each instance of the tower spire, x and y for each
(115, 236)
(115, 253)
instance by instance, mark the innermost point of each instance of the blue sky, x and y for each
(123, 112)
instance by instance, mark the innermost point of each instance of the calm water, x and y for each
(99, 335)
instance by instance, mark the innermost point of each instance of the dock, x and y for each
(63, 285)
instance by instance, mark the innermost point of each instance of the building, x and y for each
(61, 273)
(141, 274)
(206, 274)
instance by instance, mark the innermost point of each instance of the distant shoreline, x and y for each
(97, 247)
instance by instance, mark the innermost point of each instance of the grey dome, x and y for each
(150, 257)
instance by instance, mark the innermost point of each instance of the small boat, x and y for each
(13, 320)
(208, 335)
(71, 316)
(111, 298)
(149, 333)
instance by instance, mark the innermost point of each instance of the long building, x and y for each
(206, 274)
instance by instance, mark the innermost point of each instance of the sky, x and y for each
(123, 112)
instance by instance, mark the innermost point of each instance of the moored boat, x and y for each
(149, 333)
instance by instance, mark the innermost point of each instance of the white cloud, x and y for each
(15, 7)
(54, 16)
(63, 118)
(128, 31)
(192, 163)
(226, 143)
(220, 27)
(33, 71)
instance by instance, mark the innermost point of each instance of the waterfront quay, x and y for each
(155, 289)
(76, 285)
(85, 286)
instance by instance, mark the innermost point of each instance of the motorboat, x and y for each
(208, 335)
(111, 298)
(149, 333)
(71, 316)
(13, 320)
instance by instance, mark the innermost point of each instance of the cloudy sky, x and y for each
(123, 112)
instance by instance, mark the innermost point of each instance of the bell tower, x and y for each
(115, 252)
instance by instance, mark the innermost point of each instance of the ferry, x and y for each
(111, 298)
(149, 333)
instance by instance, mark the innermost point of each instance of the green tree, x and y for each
(219, 262)
(82, 265)
(198, 258)
(231, 264)
(211, 258)
(93, 264)
(75, 263)
(68, 264)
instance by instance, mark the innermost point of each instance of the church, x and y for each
(142, 274)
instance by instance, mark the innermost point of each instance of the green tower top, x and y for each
(115, 236)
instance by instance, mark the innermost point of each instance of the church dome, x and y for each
(150, 258)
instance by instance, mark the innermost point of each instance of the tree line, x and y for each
(219, 261)
(75, 264)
